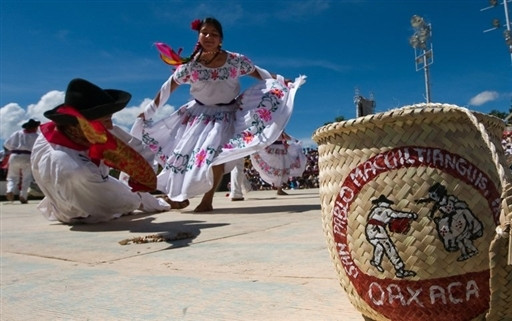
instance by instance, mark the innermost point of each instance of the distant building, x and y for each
(364, 106)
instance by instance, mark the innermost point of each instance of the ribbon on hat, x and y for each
(114, 152)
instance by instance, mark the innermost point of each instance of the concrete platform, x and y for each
(264, 258)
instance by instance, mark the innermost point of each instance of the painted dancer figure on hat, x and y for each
(200, 142)
(382, 217)
(19, 146)
(72, 158)
(281, 160)
(456, 224)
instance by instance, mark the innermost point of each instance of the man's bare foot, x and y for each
(176, 205)
(201, 208)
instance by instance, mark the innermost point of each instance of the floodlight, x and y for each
(417, 21)
(508, 37)
(414, 41)
(423, 54)
(497, 24)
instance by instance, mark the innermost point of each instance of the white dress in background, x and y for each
(280, 161)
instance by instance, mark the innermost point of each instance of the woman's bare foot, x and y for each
(281, 192)
(201, 208)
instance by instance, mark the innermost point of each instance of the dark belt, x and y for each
(221, 104)
(20, 152)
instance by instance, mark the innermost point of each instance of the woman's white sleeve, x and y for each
(165, 92)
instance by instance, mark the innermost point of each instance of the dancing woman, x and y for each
(200, 141)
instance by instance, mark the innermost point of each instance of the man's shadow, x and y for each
(176, 233)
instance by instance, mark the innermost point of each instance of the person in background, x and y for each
(72, 158)
(280, 161)
(220, 124)
(238, 181)
(19, 146)
(4, 159)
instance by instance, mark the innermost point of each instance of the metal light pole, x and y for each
(497, 24)
(423, 52)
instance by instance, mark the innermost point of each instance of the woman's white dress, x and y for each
(218, 126)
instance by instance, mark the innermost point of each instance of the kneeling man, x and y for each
(72, 157)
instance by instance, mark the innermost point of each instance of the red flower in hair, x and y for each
(196, 25)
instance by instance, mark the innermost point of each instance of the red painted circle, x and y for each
(460, 297)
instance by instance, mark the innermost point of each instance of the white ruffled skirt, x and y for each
(278, 162)
(191, 140)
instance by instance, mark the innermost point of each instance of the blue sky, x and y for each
(340, 45)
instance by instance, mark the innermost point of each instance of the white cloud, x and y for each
(127, 116)
(12, 115)
(11, 119)
(49, 101)
(484, 97)
(307, 142)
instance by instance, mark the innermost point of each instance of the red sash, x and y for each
(107, 147)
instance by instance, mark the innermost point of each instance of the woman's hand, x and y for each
(141, 115)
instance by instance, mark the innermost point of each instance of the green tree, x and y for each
(503, 115)
(336, 119)
(499, 114)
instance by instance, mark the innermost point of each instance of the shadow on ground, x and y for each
(181, 233)
(176, 233)
(265, 209)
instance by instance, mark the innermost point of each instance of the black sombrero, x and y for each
(382, 199)
(90, 100)
(31, 124)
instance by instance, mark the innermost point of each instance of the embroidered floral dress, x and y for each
(280, 161)
(218, 126)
